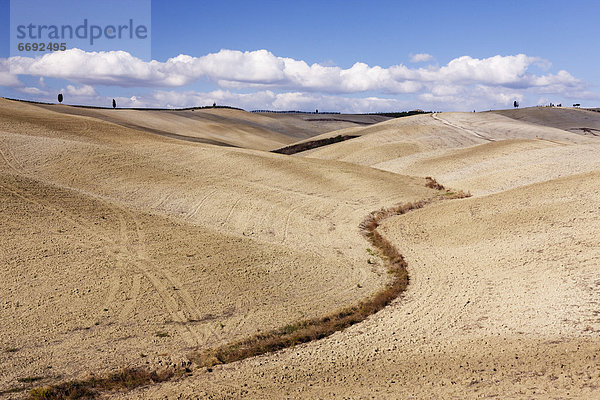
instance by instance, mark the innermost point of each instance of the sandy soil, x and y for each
(208, 244)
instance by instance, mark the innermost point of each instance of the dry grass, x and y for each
(30, 379)
(313, 329)
(433, 184)
(126, 379)
(449, 195)
(373, 220)
(317, 328)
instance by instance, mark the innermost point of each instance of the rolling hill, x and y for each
(122, 245)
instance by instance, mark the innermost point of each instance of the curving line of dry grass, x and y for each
(317, 328)
(288, 336)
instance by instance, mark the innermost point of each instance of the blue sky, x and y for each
(354, 56)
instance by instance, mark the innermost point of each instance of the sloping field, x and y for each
(391, 140)
(302, 126)
(90, 285)
(126, 248)
(222, 126)
(575, 120)
(481, 153)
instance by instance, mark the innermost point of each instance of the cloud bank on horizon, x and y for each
(261, 80)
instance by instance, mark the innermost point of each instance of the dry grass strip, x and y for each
(126, 379)
(288, 336)
(317, 328)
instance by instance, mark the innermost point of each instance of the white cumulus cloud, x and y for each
(7, 78)
(269, 81)
(420, 57)
(83, 91)
(262, 69)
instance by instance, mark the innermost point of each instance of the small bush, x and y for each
(45, 393)
(433, 184)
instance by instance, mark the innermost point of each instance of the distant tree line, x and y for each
(295, 112)
(399, 114)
